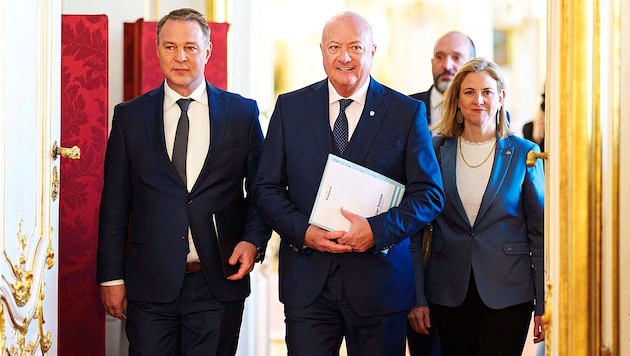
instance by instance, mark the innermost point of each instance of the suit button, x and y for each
(189, 201)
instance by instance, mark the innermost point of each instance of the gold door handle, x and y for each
(533, 156)
(73, 153)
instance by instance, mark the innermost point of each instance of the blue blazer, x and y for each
(504, 246)
(146, 209)
(391, 138)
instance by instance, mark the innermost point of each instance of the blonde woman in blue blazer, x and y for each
(486, 270)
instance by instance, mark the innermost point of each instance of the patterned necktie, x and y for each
(340, 129)
(180, 146)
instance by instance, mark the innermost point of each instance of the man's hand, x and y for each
(114, 300)
(325, 241)
(245, 253)
(539, 329)
(359, 237)
(420, 320)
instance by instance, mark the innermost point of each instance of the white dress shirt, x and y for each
(436, 106)
(353, 111)
(198, 138)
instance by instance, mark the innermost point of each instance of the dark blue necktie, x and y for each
(340, 129)
(180, 146)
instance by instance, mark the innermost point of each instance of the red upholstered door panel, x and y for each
(84, 107)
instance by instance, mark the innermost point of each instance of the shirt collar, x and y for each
(358, 96)
(436, 98)
(171, 96)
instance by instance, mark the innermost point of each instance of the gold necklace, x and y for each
(461, 152)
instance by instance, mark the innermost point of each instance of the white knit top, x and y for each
(473, 167)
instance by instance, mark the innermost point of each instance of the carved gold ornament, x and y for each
(17, 292)
(54, 192)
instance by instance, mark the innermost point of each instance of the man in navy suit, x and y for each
(356, 284)
(450, 52)
(161, 229)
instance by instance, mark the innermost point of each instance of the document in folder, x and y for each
(355, 188)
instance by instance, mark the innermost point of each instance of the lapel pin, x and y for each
(372, 113)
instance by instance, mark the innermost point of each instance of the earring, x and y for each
(496, 122)
(459, 118)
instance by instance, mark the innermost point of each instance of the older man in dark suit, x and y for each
(355, 284)
(176, 163)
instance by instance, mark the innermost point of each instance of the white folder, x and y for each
(355, 188)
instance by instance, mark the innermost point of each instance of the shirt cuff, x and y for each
(115, 282)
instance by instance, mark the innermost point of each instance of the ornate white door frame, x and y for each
(29, 125)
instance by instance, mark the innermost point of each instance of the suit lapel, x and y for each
(153, 114)
(218, 108)
(502, 160)
(449, 177)
(427, 102)
(317, 113)
(371, 120)
(366, 131)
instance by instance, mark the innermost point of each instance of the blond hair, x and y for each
(449, 126)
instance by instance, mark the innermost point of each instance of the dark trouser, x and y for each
(474, 329)
(319, 329)
(230, 327)
(195, 323)
(423, 345)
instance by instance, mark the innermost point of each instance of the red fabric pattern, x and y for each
(84, 105)
(142, 68)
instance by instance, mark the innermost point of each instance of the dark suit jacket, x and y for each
(146, 209)
(391, 138)
(528, 133)
(497, 246)
(425, 97)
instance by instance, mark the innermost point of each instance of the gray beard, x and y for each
(442, 85)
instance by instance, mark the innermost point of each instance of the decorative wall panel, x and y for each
(84, 103)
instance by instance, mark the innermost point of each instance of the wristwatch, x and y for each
(260, 254)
